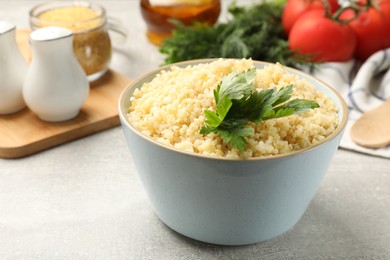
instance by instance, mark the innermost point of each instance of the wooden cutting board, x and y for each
(23, 133)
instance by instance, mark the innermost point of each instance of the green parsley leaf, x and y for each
(243, 82)
(238, 103)
(299, 105)
(235, 136)
(212, 119)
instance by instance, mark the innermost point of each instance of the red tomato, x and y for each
(322, 37)
(296, 8)
(370, 30)
(375, 2)
(385, 10)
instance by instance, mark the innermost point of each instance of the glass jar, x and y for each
(158, 13)
(91, 44)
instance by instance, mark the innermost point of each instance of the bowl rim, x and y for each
(125, 122)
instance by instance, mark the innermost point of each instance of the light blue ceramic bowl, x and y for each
(229, 201)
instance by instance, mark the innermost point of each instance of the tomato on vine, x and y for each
(385, 10)
(322, 37)
(371, 27)
(296, 8)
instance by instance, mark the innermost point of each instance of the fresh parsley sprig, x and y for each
(238, 103)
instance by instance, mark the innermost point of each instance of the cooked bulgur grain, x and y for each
(170, 108)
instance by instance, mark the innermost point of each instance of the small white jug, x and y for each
(13, 69)
(56, 86)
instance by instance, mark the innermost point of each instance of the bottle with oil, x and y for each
(158, 13)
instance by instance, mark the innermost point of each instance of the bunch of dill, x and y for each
(253, 32)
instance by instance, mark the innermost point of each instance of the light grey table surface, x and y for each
(84, 199)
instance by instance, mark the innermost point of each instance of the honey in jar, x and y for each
(158, 13)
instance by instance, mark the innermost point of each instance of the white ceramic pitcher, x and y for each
(12, 71)
(56, 86)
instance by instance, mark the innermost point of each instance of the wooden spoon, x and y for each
(372, 129)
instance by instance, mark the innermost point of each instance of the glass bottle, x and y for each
(158, 13)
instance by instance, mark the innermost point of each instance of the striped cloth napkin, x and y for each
(363, 86)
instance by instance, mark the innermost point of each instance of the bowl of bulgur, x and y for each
(209, 190)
